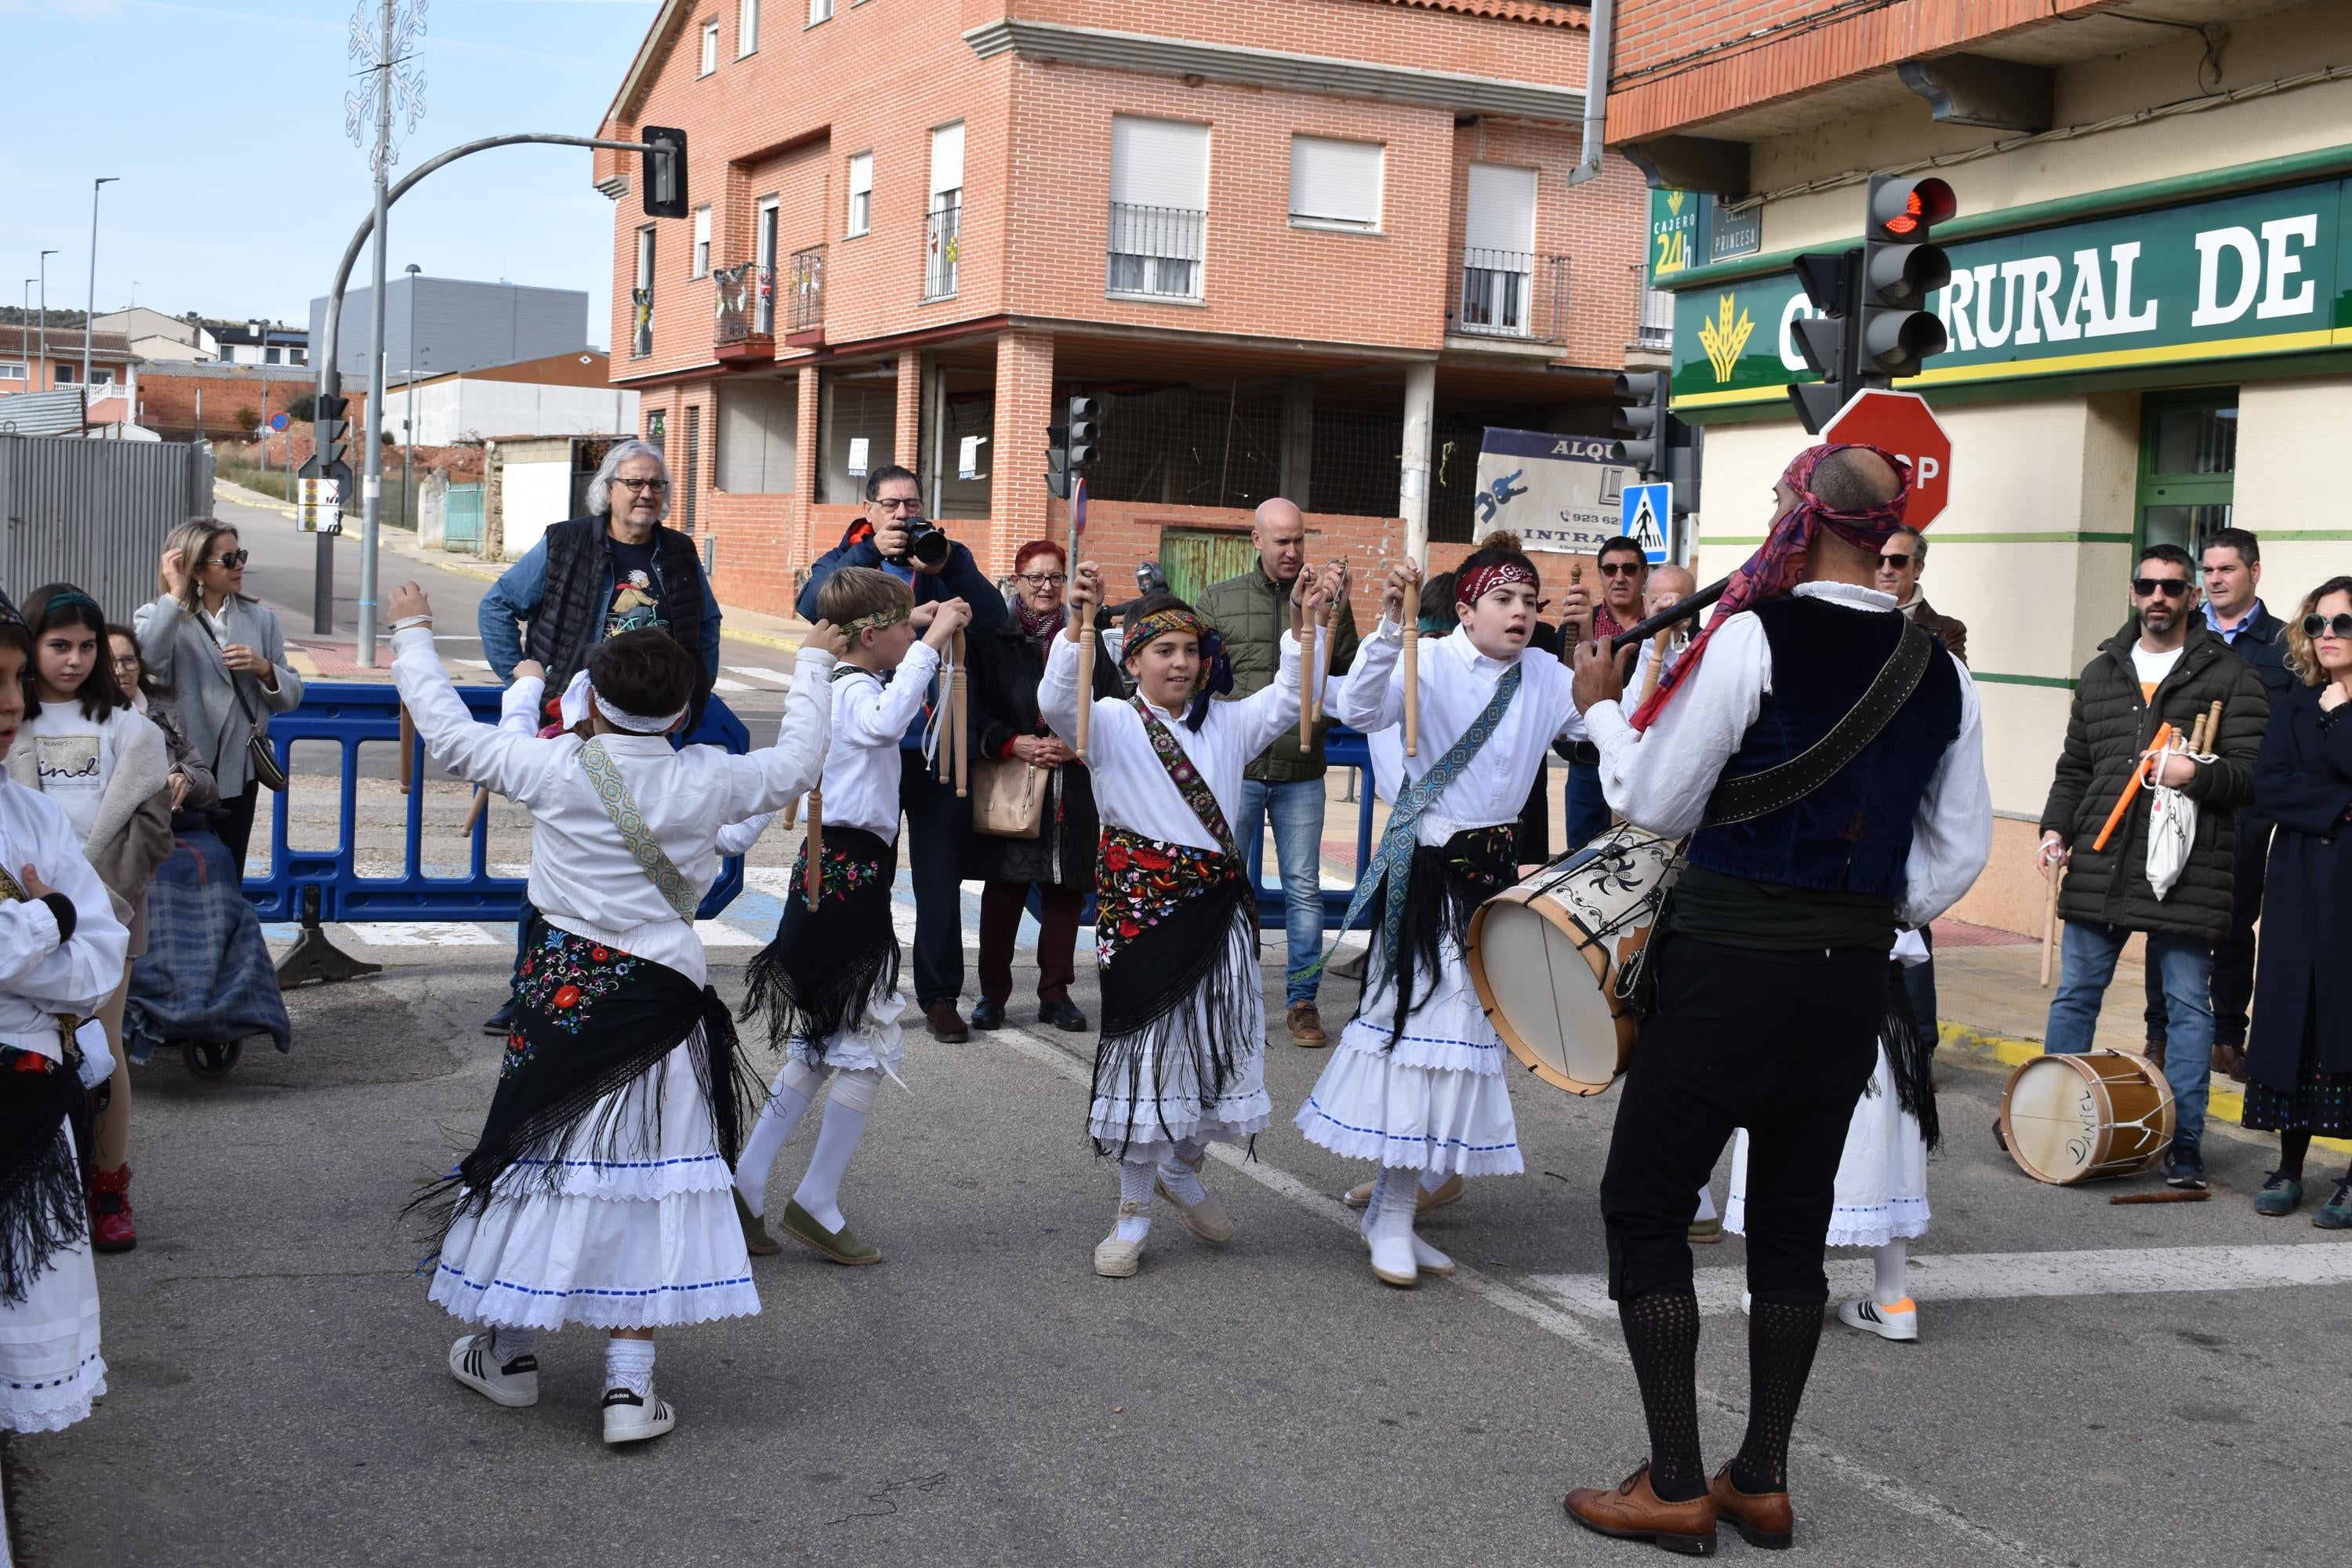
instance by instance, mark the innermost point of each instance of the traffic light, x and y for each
(1893, 328)
(662, 170)
(1085, 433)
(1057, 461)
(1825, 341)
(1642, 416)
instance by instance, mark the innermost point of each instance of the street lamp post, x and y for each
(89, 314)
(408, 423)
(45, 322)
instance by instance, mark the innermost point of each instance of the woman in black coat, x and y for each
(1007, 664)
(2299, 1050)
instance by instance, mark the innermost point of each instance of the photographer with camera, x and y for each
(895, 537)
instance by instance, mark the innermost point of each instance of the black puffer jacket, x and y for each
(2106, 732)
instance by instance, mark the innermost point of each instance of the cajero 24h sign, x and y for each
(2264, 273)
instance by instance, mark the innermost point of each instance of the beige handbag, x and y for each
(1008, 797)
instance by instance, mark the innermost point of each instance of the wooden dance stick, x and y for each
(481, 803)
(1302, 629)
(960, 709)
(1657, 664)
(2197, 734)
(2163, 737)
(1330, 636)
(791, 814)
(2169, 1195)
(407, 750)
(1412, 681)
(2050, 924)
(813, 873)
(2212, 729)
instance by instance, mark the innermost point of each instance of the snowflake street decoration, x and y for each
(397, 74)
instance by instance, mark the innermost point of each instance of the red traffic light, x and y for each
(1905, 207)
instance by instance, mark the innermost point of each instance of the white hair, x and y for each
(600, 489)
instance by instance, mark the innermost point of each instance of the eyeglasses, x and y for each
(1041, 579)
(900, 503)
(1622, 568)
(643, 486)
(128, 661)
(2328, 625)
(235, 558)
(2171, 587)
(1897, 561)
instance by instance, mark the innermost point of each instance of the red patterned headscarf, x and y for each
(1475, 585)
(1778, 564)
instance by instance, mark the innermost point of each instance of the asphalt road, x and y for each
(279, 1393)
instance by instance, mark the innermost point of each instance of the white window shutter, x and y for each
(947, 158)
(861, 174)
(1336, 182)
(1158, 163)
(1502, 214)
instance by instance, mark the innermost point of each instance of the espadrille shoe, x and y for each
(1117, 1259)
(756, 1239)
(838, 1245)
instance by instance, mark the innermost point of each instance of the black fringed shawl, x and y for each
(1911, 1054)
(1444, 886)
(822, 971)
(43, 1207)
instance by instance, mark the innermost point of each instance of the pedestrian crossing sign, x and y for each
(1647, 507)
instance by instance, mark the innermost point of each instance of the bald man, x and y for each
(1768, 974)
(1668, 585)
(1284, 785)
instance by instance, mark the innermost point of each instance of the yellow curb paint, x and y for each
(304, 665)
(2222, 1105)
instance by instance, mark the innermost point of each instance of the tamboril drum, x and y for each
(2071, 1118)
(1550, 957)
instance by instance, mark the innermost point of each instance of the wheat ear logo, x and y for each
(1724, 337)
(1675, 202)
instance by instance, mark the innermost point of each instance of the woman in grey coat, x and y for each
(224, 657)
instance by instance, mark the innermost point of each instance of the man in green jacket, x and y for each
(2164, 667)
(1250, 612)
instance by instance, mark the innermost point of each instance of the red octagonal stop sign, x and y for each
(1902, 422)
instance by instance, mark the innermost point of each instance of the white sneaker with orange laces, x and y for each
(1899, 1322)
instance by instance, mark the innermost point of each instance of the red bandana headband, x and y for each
(1475, 585)
(1778, 565)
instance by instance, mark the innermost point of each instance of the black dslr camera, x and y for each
(927, 542)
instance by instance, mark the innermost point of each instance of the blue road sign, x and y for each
(279, 422)
(1647, 508)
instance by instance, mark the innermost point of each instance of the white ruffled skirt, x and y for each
(644, 1238)
(875, 1045)
(1882, 1179)
(1436, 1100)
(1145, 1124)
(51, 1368)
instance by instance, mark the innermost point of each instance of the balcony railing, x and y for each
(745, 296)
(1156, 252)
(804, 291)
(641, 328)
(1512, 294)
(942, 242)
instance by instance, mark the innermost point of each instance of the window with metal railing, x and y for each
(1155, 252)
(942, 246)
(1657, 330)
(641, 298)
(745, 299)
(1512, 294)
(803, 288)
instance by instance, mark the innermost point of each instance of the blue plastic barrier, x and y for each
(1342, 747)
(326, 884)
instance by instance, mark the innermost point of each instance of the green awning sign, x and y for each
(2264, 273)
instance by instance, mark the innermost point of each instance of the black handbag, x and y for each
(260, 756)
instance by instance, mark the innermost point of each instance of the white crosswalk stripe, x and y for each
(760, 672)
(727, 688)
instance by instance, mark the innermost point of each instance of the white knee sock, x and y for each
(1374, 1204)
(506, 1344)
(1894, 1283)
(1134, 1187)
(794, 1088)
(1398, 1200)
(1432, 1178)
(629, 1364)
(846, 1113)
(1176, 1172)
(1707, 1205)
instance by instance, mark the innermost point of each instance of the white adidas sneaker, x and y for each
(1899, 1321)
(514, 1384)
(631, 1418)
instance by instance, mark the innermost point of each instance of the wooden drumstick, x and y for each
(2212, 729)
(813, 875)
(2166, 1195)
(2050, 925)
(2163, 736)
(960, 711)
(1657, 663)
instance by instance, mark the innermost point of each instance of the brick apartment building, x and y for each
(1309, 249)
(2146, 316)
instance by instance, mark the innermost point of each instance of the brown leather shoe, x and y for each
(2231, 1059)
(2153, 1051)
(1762, 1519)
(1632, 1511)
(1307, 1026)
(946, 1024)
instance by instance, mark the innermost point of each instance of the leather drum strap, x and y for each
(1752, 796)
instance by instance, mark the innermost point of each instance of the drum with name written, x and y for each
(2070, 1119)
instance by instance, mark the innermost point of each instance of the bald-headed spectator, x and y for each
(1900, 563)
(1286, 784)
(1668, 585)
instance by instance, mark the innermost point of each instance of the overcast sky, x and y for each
(238, 187)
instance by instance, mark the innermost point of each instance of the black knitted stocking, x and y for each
(2293, 1147)
(1782, 1340)
(1661, 1333)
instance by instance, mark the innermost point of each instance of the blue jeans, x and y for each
(2087, 964)
(1296, 809)
(1588, 806)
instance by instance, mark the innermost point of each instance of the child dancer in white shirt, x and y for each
(1182, 1055)
(829, 980)
(1417, 1083)
(61, 957)
(596, 1192)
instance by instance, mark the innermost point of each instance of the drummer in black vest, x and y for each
(1767, 981)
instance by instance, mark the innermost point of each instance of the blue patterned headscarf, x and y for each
(1216, 677)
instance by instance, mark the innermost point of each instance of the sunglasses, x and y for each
(1622, 568)
(1897, 561)
(2328, 625)
(235, 558)
(2171, 587)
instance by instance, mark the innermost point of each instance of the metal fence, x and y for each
(803, 290)
(746, 300)
(1156, 251)
(94, 513)
(1512, 294)
(942, 250)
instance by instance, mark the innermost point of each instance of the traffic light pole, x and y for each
(330, 378)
